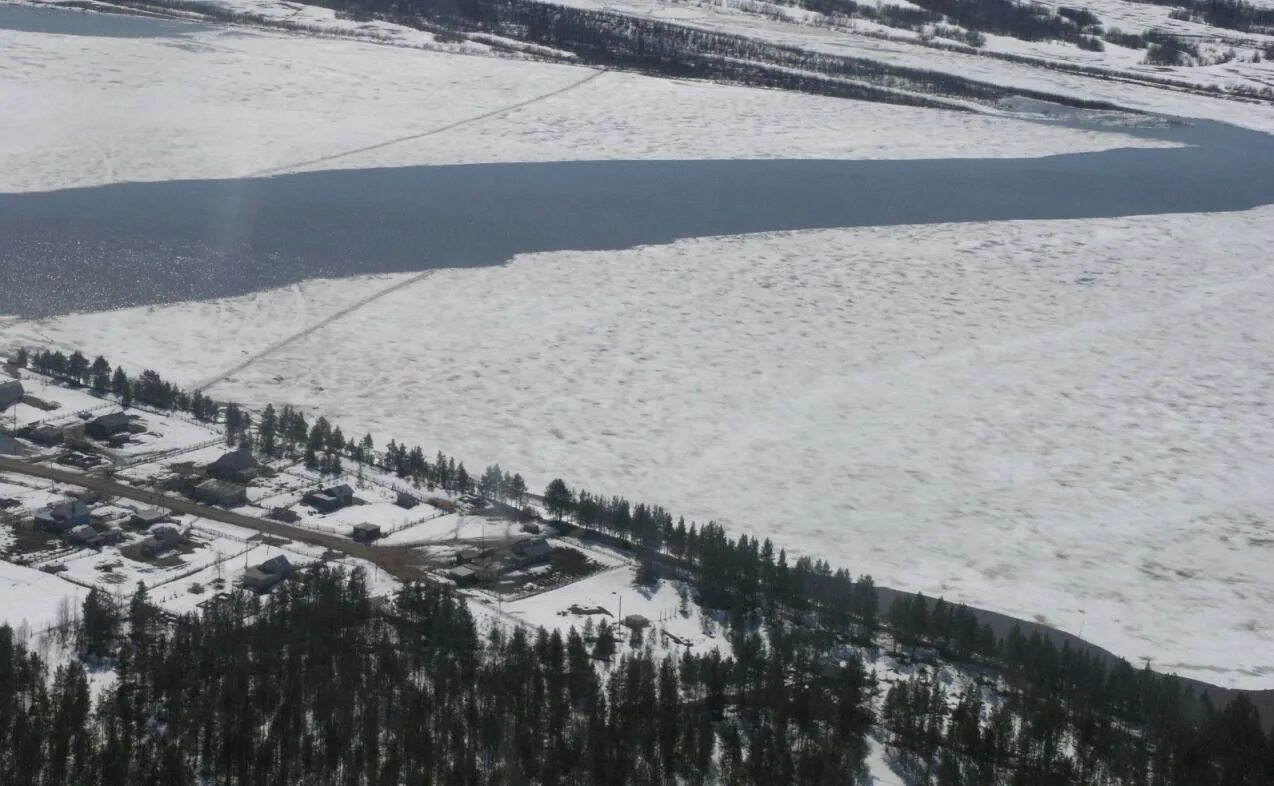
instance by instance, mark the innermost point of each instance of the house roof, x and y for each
(153, 515)
(366, 527)
(256, 574)
(342, 490)
(82, 531)
(236, 460)
(464, 571)
(113, 420)
(277, 564)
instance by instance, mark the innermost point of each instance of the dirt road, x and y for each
(401, 563)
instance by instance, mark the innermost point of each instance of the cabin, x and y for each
(365, 533)
(406, 501)
(261, 578)
(108, 426)
(219, 492)
(11, 393)
(331, 499)
(237, 466)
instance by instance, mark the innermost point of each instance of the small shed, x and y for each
(406, 501)
(112, 536)
(463, 576)
(365, 532)
(11, 393)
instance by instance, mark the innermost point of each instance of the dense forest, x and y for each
(323, 685)
(411, 691)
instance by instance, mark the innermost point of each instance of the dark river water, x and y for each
(32, 19)
(142, 243)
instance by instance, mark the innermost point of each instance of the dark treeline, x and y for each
(648, 45)
(1230, 14)
(322, 685)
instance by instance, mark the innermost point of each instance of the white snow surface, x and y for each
(234, 102)
(32, 597)
(1066, 418)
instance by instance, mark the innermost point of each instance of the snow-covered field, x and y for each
(33, 598)
(1063, 419)
(614, 590)
(235, 102)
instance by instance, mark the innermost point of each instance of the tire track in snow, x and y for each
(317, 326)
(310, 330)
(431, 132)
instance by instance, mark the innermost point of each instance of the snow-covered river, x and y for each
(142, 243)
(33, 19)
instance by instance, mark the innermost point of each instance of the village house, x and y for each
(532, 552)
(108, 426)
(237, 466)
(148, 518)
(330, 499)
(219, 492)
(63, 517)
(264, 576)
